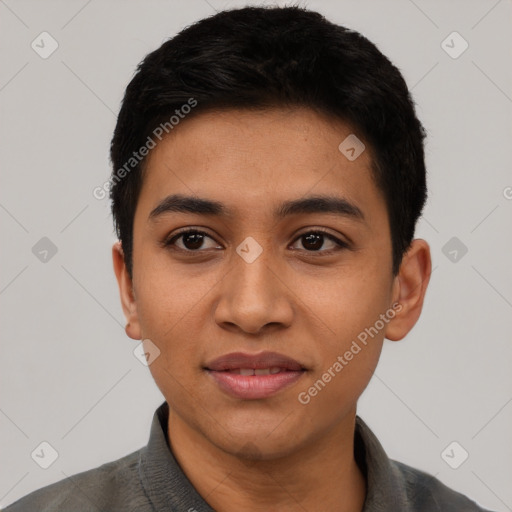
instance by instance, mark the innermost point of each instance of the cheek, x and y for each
(349, 335)
(345, 302)
(170, 312)
(168, 293)
(334, 391)
(170, 315)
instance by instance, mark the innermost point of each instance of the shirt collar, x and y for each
(163, 480)
(168, 488)
(386, 489)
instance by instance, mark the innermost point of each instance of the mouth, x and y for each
(254, 376)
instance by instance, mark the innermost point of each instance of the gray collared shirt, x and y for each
(150, 480)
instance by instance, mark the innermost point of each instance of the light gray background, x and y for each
(68, 375)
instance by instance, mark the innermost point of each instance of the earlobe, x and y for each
(126, 293)
(409, 290)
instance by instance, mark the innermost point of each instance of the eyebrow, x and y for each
(311, 204)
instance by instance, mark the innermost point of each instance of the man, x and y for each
(268, 173)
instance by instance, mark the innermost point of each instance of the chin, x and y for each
(264, 441)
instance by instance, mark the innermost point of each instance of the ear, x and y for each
(126, 292)
(409, 288)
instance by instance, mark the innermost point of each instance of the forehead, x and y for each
(251, 160)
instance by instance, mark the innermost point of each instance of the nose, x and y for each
(254, 296)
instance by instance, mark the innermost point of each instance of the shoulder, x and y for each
(426, 493)
(111, 486)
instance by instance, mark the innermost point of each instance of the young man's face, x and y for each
(303, 297)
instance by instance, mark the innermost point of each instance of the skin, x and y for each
(275, 453)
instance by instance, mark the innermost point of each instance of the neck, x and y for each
(323, 475)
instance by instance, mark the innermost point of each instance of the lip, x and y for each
(251, 387)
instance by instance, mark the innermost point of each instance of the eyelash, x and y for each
(169, 243)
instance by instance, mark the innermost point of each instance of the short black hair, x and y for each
(264, 57)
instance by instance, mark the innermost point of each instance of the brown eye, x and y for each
(313, 241)
(191, 240)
